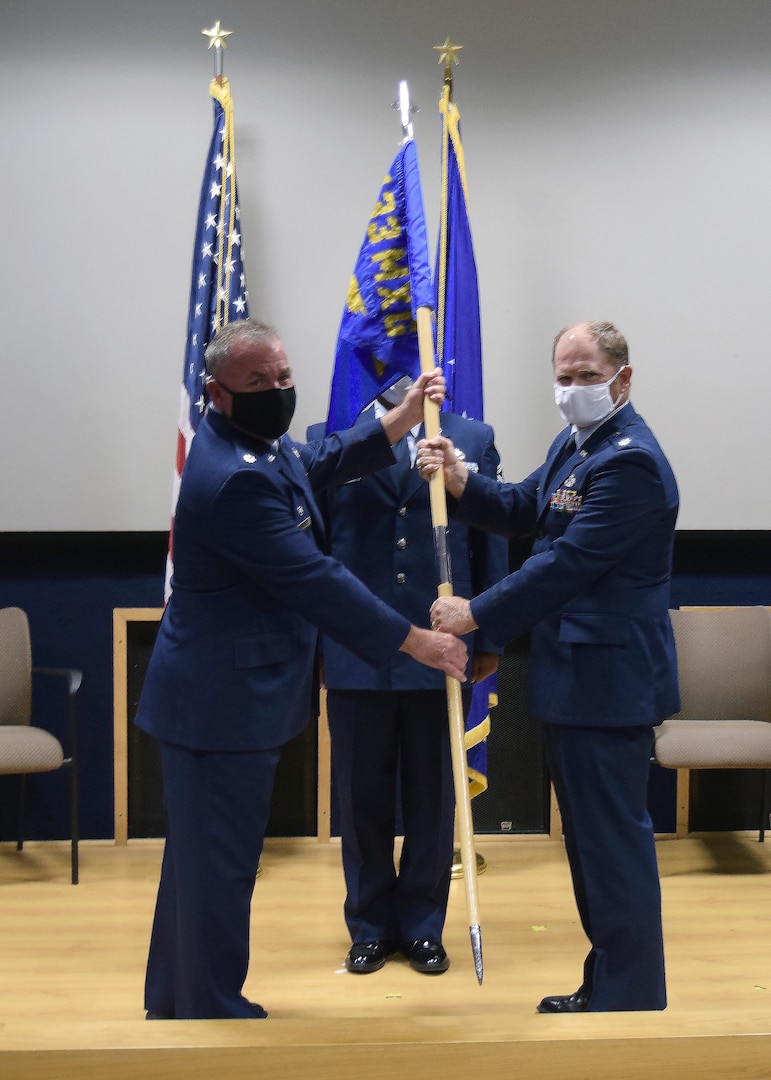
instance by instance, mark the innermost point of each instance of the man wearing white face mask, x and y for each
(595, 596)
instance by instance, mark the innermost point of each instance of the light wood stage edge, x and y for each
(72, 963)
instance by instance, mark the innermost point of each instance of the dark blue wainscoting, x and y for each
(69, 584)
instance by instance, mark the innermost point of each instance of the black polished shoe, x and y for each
(367, 956)
(150, 1015)
(427, 957)
(566, 1003)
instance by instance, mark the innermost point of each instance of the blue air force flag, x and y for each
(377, 341)
(459, 349)
(459, 338)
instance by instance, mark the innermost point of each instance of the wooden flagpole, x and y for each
(438, 501)
(454, 702)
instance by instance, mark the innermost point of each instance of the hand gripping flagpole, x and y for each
(438, 500)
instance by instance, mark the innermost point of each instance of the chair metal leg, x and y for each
(74, 827)
(683, 824)
(764, 807)
(20, 828)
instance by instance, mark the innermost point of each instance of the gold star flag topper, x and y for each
(217, 36)
(448, 53)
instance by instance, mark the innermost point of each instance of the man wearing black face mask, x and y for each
(602, 669)
(265, 407)
(231, 677)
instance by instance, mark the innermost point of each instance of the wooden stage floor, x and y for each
(72, 961)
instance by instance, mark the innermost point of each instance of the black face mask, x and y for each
(264, 413)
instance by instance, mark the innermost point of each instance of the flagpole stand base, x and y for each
(457, 864)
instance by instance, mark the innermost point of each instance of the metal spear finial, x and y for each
(406, 110)
(475, 933)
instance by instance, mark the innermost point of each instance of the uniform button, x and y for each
(400, 579)
(401, 544)
(402, 511)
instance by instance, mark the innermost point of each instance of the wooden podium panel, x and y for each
(294, 756)
(121, 617)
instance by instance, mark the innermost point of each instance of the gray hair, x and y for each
(611, 341)
(251, 331)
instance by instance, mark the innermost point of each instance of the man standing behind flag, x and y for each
(389, 727)
(231, 676)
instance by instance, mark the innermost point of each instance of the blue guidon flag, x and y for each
(459, 351)
(377, 342)
(218, 292)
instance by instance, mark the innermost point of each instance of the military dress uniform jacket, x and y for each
(381, 530)
(595, 591)
(233, 664)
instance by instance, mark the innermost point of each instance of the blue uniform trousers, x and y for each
(383, 741)
(600, 777)
(217, 807)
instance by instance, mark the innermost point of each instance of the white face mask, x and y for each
(583, 406)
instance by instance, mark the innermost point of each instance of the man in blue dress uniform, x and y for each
(595, 596)
(231, 677)
(389, 727)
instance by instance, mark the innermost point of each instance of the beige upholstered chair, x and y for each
(724, 670)
(23, 748)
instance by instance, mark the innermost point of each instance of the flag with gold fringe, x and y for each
(459, 350)
(218, 292)
(377, 341)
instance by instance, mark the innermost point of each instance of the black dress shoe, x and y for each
(367, 956)
(150, 1015)
(566, 1003)
(428, 957)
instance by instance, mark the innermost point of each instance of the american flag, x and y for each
(218, 292)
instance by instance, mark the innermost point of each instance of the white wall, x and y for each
(619, 166)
